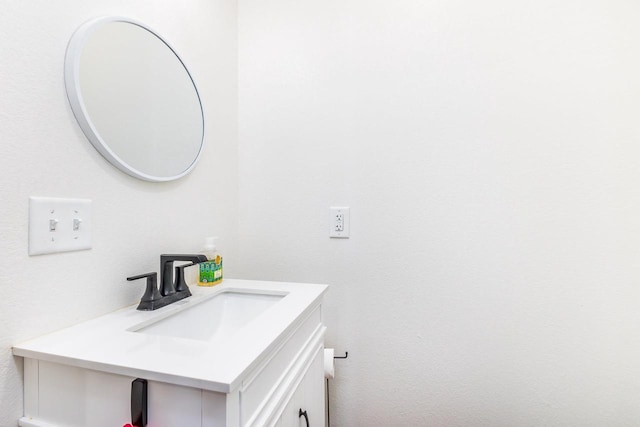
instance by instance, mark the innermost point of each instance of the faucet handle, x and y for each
(151, 297)
(167, 285)
(181, 284)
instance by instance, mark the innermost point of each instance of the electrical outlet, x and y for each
(339, 222)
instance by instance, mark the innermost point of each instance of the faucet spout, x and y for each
(168, 285)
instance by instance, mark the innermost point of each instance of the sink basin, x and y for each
(214, 318)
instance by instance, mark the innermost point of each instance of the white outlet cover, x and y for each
(334, 230)
(59, 225)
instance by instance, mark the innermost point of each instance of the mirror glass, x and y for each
(134, 99)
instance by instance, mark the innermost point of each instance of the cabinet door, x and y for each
(289, 417)
(313, 394)
(307, 403)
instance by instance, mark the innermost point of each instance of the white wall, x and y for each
(488, 150)
(490, 153)
(44, 153)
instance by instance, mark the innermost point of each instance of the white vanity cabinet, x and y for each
(279, 383)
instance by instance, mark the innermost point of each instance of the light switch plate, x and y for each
(59, 225)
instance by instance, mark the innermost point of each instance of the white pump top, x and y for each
(209, 249)
(210, 244)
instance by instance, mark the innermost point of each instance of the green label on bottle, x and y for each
(211, 271)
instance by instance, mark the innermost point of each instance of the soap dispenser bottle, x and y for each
(210, 271)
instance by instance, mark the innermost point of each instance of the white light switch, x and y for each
(59, 225)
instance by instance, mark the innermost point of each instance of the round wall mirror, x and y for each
(134, 99)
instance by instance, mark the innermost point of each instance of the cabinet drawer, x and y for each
(271, 376)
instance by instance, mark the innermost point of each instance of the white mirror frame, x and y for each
(74, 94)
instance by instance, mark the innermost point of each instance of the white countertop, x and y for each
(106, 344)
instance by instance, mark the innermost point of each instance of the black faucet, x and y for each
(170, 285)
(172, 288)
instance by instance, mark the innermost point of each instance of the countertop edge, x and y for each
(23, 350)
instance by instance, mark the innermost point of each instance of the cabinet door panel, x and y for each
(174, 406)
(313, 393)
(308, 397)
(75, 397)
(289, 416)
